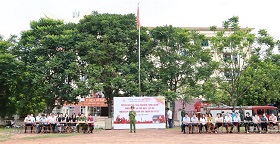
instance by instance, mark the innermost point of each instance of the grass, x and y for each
(54, 135)
(4, 138)
(5, 134)
(6, 130)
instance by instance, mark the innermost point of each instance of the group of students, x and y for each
(229, 120)
(59, 123)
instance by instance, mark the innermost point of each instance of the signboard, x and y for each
(93, 102)
(150, 112)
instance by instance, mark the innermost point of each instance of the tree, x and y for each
(49, 55)
(9, 76)
(262, 74)
(183, 63)
(109, 54)
(233, 48)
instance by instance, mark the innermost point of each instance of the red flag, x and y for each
(138, 17)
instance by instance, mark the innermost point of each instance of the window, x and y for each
(271, 111)
(227, 74)
(260, 111)
(183, 52)
(205, 43)
(82, 109)
(234, 58)
(227, 57)
(95, 111)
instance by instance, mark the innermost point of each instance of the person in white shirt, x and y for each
(186, 122)
(256, 122)
(194, 121)
(236, 122)
(32, 118)
(228, 121)
(202, 122)
(37, 121)
(29, 122)
(52, 122)
(218, 122)
(44, 123)
(169, 116)
(38, 117)
(273, 120)
(278, 121)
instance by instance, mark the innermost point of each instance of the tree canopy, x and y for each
(56, 63)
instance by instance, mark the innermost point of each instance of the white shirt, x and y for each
(273, 119)
(256, 119)
(186, 120)
(169, 114)
(203, 121)
(38, 118)
(194, 119)
(52, 120)
(32, 119)
(236, 119)
(44, 120)
(28, 120)
(228, 119)
(219, 120)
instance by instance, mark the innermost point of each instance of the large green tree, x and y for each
(9, 77)
(109, 53)
(49, 54)
(262, 74)
(183, 63)
(232, 47)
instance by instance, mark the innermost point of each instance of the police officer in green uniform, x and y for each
(132, 120)
(82, 123)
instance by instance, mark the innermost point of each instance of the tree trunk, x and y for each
(109, 98)
(233, 102)
(109, 108)
(49, 109)
(173, 111)
(166, 125)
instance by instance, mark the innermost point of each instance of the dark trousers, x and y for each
(194, 125)
(256, 125)
(184, 127)
(90, 127)
(84, 127)
(29, 125)
(53, 127)
(170, 123)
(247, 126)
(217, 125)
(228, 125)
(264, 126)
(237, 126)
(201, 126)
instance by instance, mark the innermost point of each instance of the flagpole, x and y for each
(139, 59)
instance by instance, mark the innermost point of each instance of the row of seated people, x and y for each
(59, 123)
(229, 121)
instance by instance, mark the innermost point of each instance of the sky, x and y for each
(259, 14)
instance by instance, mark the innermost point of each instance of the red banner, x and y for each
(92, 102)
(98, 102)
